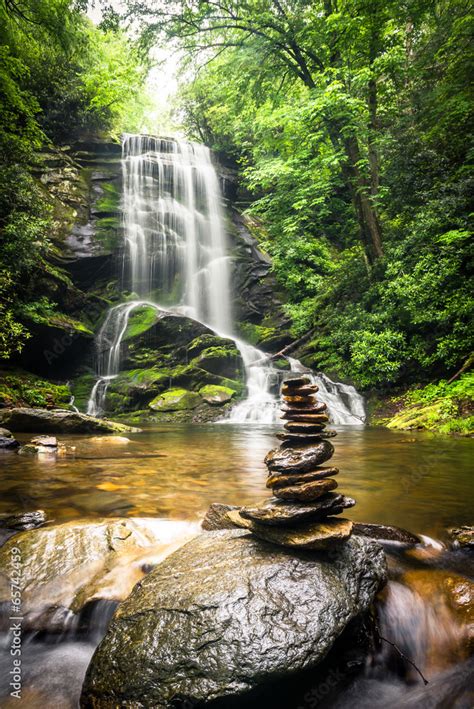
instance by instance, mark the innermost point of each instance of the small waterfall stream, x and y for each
(175, 259)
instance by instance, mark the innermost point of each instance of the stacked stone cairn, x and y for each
(302, 511)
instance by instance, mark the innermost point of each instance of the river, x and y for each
(415, 480)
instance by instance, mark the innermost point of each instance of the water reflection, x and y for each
(419, 481)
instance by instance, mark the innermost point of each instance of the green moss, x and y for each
(442, 407)
(175, 400)
(110, 199)
(81, 388)
(20, 388)
(141, 319)
(215, 394)
(43, 312)
(257, 334)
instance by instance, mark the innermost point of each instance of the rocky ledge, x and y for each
(58, 421)
(226, 614)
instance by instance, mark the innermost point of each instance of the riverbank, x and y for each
(441, 407)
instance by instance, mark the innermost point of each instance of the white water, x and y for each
(176, 254)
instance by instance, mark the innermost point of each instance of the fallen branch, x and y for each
(401, 653)
(467, 365)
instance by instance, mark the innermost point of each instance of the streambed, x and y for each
(418, 481)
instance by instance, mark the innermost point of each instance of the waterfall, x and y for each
(175, 241)
(175, 259)
(262, 405)
(108, 345)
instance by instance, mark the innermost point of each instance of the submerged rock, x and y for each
(57, 421)
(225, 614)
(385, 532)
(463, 537)
(23, 520)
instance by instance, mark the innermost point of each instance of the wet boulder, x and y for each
(225, 614)
(67, 566)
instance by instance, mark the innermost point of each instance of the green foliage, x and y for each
(443, 407)
(318, 105)
(61, 79)
(18, 388)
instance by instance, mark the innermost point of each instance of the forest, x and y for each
(236, 349)
(350, 127)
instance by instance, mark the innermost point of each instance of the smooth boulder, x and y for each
(225, 614)
(57, 421)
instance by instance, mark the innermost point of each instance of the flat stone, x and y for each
(308, 390)
(295, 400)
(300, 427)
(299, 460)
(295, 382)
(313, 535)
(5, 433)
(303, 439)
(282, 480)
(306, 418)
(48, 441)
(306, 491)
(275, 512)
(227, 614)
(317, 408)
(216, 517)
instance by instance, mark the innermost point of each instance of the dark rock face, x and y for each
(299, 460)
(57, 421)
(226, 613)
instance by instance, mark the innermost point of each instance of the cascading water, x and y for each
(108, 346)
(176, 259)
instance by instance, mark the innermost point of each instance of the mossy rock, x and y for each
(81, 388)
(140, 320)
(223, 360)
(176, 400)
(216, 395)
